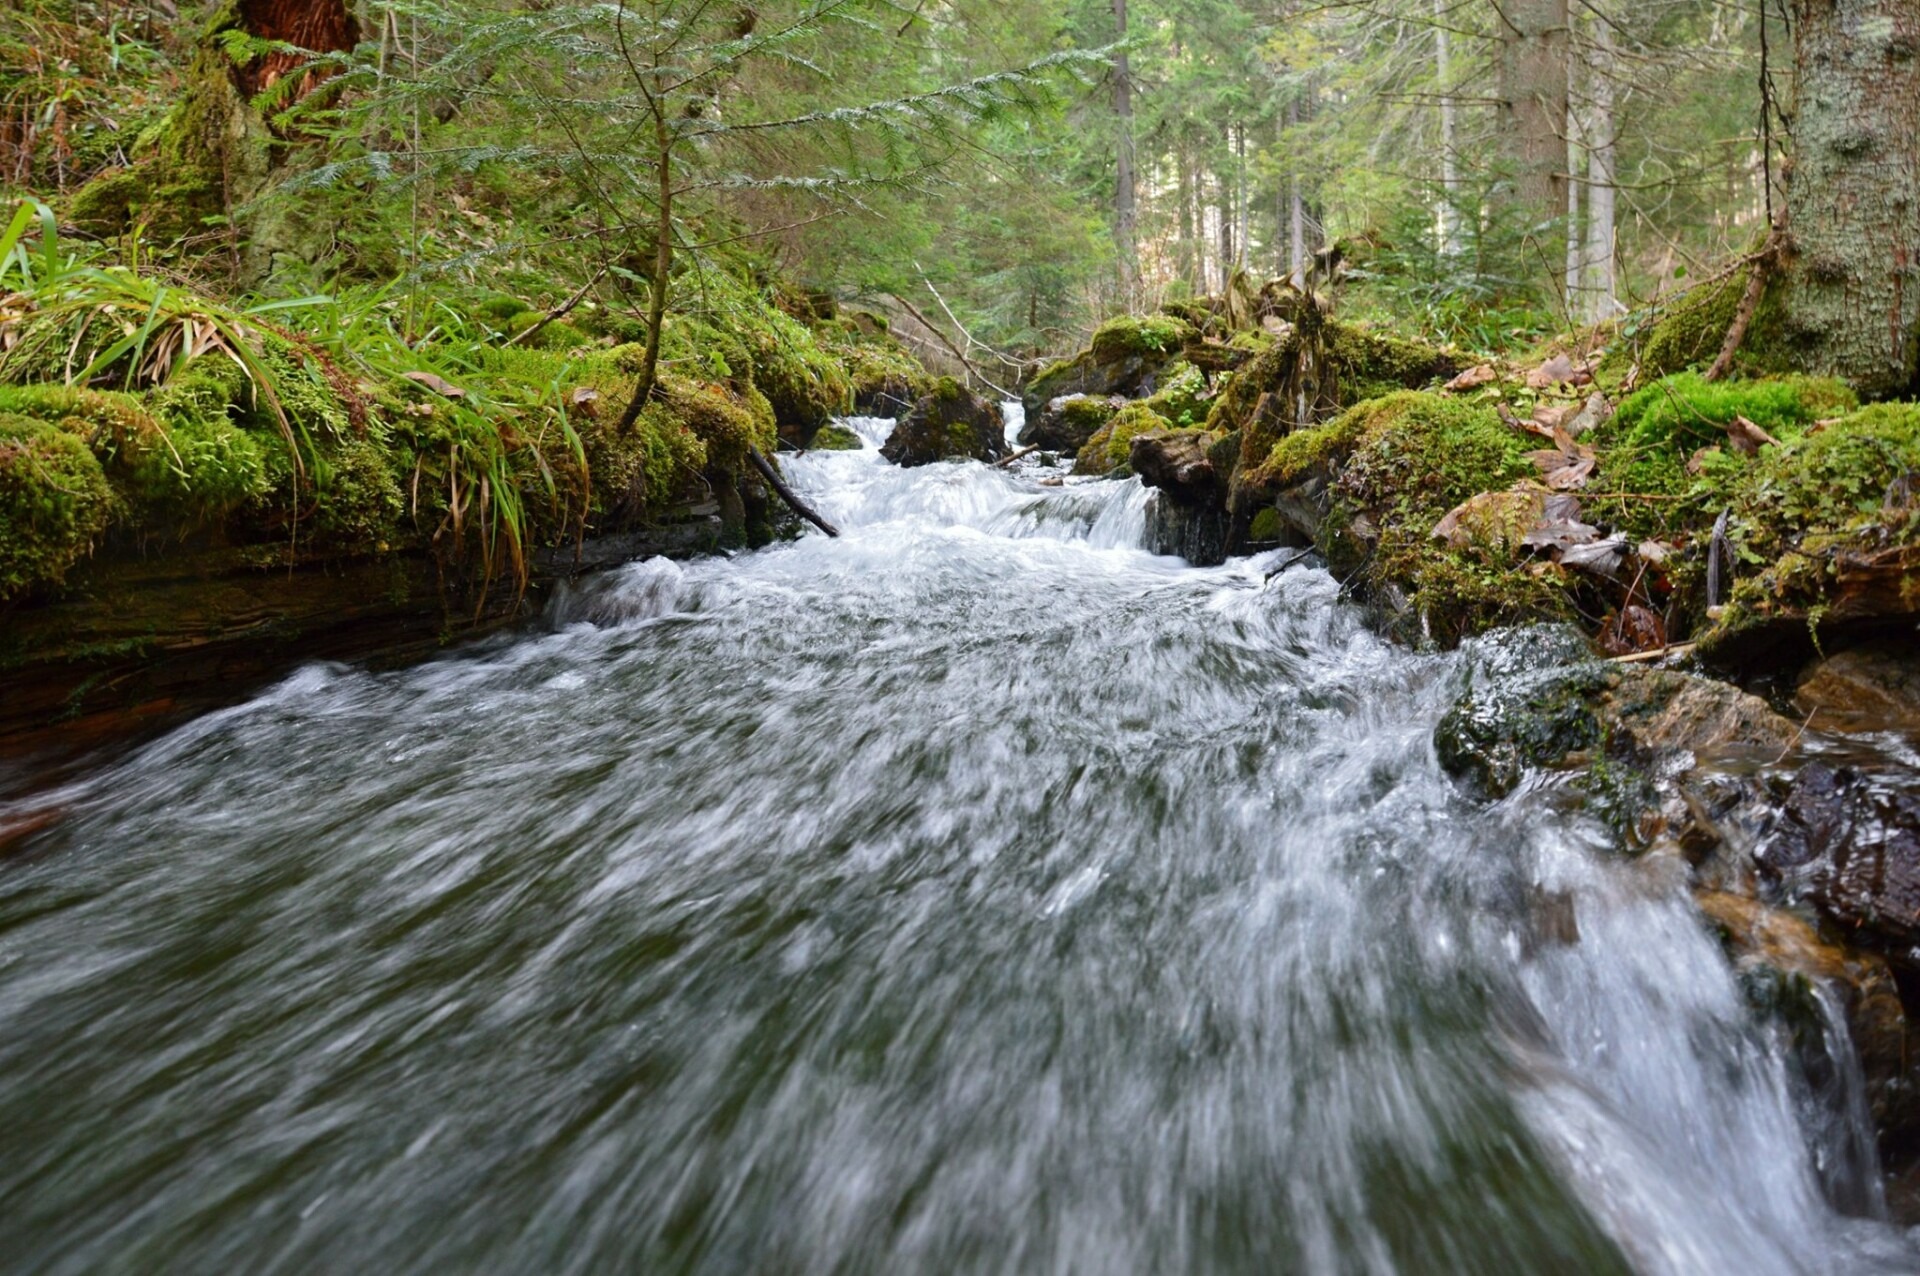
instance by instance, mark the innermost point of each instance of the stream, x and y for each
(976, 892)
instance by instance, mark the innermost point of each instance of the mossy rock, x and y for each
(208, 469)
(951, 422)
(1183, 397)
(1065, 424)
(1126, 357)
(1826, 531)
(836, 438)
(54, 502)
(1529, 703)
(1106, 451)
(116, 426)
(1415, 456)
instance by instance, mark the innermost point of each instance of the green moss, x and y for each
(358, 502)
(1130, 335)
(1832, 481)
(1087, 413)
(726, 423)
(115, 426)
(208, 468)
(203, 389)
(1299, 453)
(1370, 364)
(54, 501)
(1107, 450)
(1416, 456)
(1266, 526)
(1643, 483)
(1183, 397)
(836, 438)
(1689, 331)
(558, 335)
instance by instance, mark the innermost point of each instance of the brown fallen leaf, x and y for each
(1747, 437)
(1823, 423)
(1633, 628)
(1654, 553)
(1574, 474)
(1593, 412)
(1554, 415)
(438, 384)
(1698, 461)
(1473, 378)
(1556, 371)
(1602, 558)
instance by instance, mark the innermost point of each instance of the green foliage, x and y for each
(1183, 397)
(1837, 480)
(54, 502)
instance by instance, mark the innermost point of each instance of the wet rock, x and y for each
(1530, 703)
(1781, 959)
(1126, 357)
(1197, 533)
(950, 422)
(1179, 463)
(1874, 688)
(1849, 844)
(1065, 423)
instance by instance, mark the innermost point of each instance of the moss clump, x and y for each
(1371, 364)
(54, 501)
(1084, 414)
(208, 469)
(114, 425)
(1183, 397)
(557, 335)
(726, 423)
(836, 438)
(1648, 447)
(1416, 456)
(1690, 330)
(1107, 450)
(1130, 335)
(358, 502)
(1300, 453)
(1266, 526)
(1835, 481)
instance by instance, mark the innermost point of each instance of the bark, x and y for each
(1296, 218)
(662, 266)
(1449, 134)
(324, 26)
(1852, 281)
(1533, 104)
(1125, 218)
(1575, 275)
(1598, 281)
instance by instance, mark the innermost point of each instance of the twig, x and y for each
(559, 312)
(1005, 461)
(798, 506)
(946, 341)
(1760, 270)
(1641, 657)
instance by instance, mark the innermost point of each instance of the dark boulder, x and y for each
(1849, 844)
(1065, 423)
(1126, 357)
(952, 422)
(1180, 464)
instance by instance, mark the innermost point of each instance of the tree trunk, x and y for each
(1296, 217)
(1852, 282)
(1125, 220)
(1185, 195)
(324, 26)
(662, 266)
(1576, 246)
(1533, 105)
(1449, 134)
(1601, 286)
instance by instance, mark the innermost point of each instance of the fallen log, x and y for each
(1005, 461)
(800, 507)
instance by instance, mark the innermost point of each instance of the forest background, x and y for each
(1490, 171)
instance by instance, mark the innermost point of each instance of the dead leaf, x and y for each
(1557, 371)
(439, 385)
(1633, 628)
(1698, 461)
(1554, 415)
(1602, 558)
(1823, 423)
(1654, 553)
(1572, 475)
(1473, 378)
(1747, 437)
(1593, 412)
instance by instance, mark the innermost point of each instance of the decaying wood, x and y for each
(1005, 461)
(1759, 271)
(800, 507)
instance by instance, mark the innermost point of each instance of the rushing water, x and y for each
(975, 892)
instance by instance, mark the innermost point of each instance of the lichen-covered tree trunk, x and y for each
(1533, 104)
(1852, 278)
